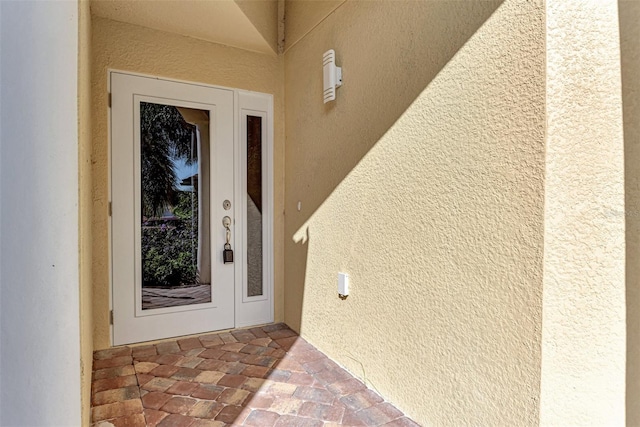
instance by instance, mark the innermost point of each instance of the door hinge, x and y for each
(110, 208)
(109, 100)
(111, 317)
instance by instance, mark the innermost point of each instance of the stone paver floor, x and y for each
(259, 377)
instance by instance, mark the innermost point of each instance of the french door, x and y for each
(187, 182)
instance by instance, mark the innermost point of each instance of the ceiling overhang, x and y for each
(217, 21)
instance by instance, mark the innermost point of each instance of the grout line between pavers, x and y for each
(335, 392)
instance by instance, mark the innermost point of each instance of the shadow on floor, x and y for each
(263, 377)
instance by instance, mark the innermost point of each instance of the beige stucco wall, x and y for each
(263, 15)
(132, 48)
(583, 330)
(85, 204)
(301, 16)
(223, 22)
(424, 181)
(629, 16)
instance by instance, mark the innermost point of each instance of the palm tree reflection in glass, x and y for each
(169, 147)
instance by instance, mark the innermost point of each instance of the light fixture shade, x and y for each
(332, 75)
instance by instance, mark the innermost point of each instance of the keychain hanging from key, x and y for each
(227, 253)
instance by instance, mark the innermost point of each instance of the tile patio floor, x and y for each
(259, 377)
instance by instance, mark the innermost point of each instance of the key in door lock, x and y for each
(227, 253)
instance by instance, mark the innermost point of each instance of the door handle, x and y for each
(226, 223)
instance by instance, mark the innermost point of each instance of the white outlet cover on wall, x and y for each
(343, 284)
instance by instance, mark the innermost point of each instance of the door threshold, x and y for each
(186, 337)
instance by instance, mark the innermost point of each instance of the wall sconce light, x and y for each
(332, 75)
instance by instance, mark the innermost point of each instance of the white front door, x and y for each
(172, 178)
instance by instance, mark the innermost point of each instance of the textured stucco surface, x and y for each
(85, 204)
(583, 334)
(133, 48)
(301, 16)
(0, 214)
(224, 22)
(424, 181)
(39, 263)
(629, 16)
(263, 14)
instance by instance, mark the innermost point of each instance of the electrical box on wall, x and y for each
(343, 285)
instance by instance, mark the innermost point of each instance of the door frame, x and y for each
(257, 310)
(248, 311)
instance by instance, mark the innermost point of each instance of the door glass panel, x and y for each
(254, 206)
(175, 243)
